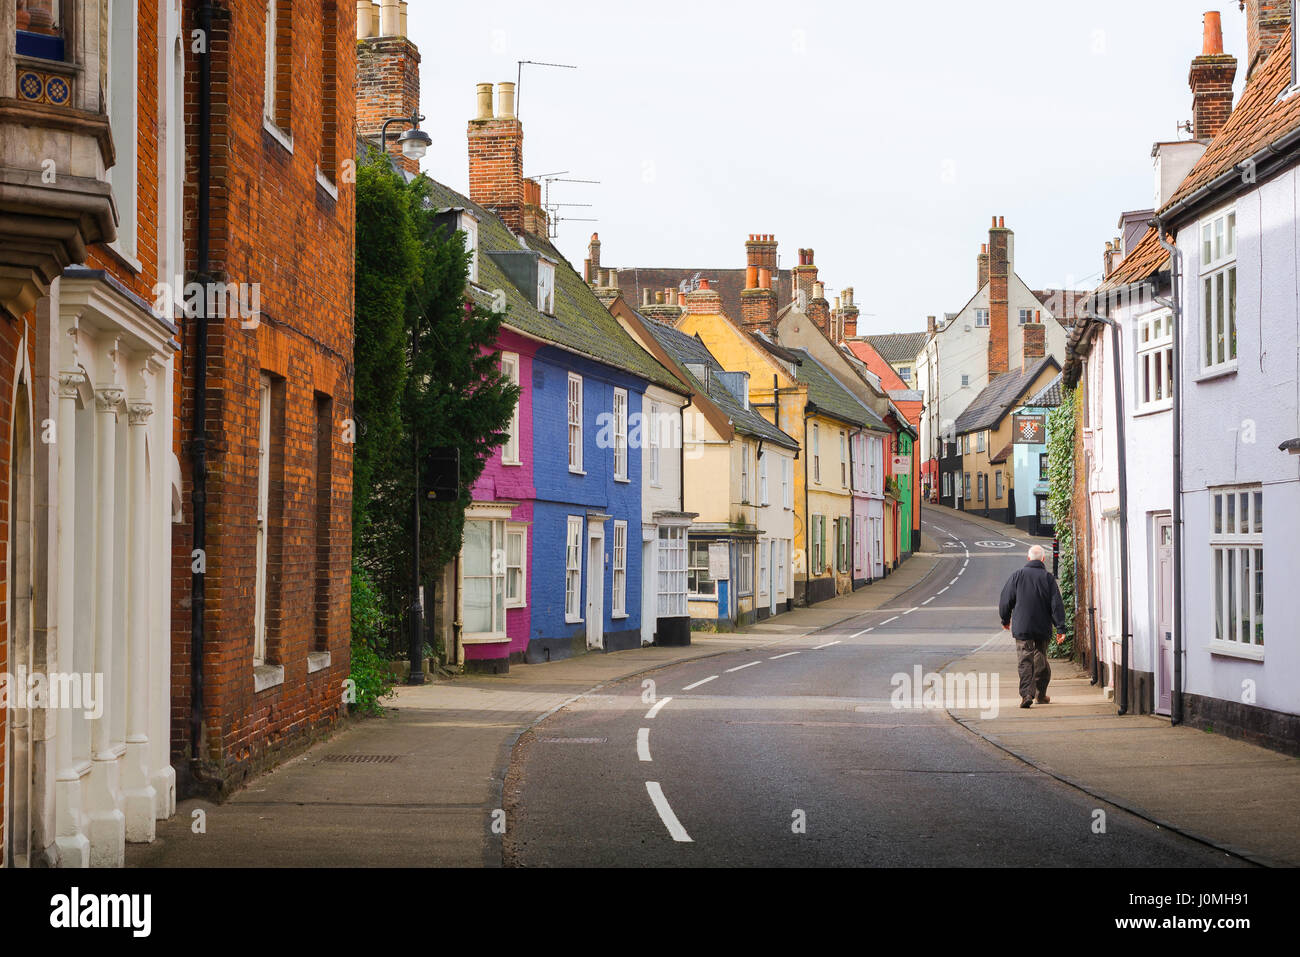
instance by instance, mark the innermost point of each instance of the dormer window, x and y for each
(545, 287)
(40, 29)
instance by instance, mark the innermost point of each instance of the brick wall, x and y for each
(1211, 82)
(496, 176)
(272, 224)
(388, 85)
(1266, 23)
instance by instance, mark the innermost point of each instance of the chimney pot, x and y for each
(613, 279)
(645, 297)
(506, 100)
(704, 284)
(995, 222)
(765, 279)
(1213, 43)
(751, 277)
(401, 17)
(365, 20)
(484, 111)
(1002, 222)
(659, 298)
(390, 19)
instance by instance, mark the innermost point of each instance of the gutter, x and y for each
(1246, 175)
(1176, 691)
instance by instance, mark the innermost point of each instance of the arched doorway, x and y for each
(18, 719)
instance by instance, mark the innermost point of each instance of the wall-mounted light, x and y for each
(414, 142)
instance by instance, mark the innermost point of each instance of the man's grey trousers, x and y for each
(1031, 655)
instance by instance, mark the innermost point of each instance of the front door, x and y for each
(596, 589)
(1164, 610)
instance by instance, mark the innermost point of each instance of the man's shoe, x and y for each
(1043, 699)
(1027, 703)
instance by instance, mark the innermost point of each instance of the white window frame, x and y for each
(545, 287)
(817, 456)
(787, 483)
(573, 571)
(1234, 553)
(981, 318)
(782, 563)
(514, 530)
(762, 479)
(745, 565)
(672, 571)
(497, 576)
(905, 373)
(744, 473)
(997, 484)
(1026, 317)
(1154, 342)
(764, 547)
(815, 548)
(122, 102)
(981, 486)
(654, 445)
(1217, 292)
(574, 404)
(510, 450)
(844, 461)
(980, 441)
(692, 567)
(965, 380)
(620, 571)
(620, 435)
(469, 226)
(263, 510)
(965, 486)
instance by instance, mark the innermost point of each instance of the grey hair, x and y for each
(1037, 553)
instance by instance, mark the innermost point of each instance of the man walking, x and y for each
(1030, 605)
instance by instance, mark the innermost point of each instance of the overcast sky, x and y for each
(882, 139)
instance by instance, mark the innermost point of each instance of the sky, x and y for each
(882, 137)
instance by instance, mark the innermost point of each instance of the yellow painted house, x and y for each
(799, 397)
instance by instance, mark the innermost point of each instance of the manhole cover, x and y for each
(361, 758)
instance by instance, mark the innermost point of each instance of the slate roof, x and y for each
(1049, 396)
(687, 351)
(826, 393)
(1261, 117)
(1065, 305)
(1000, 396)
(898, 346)
(726, 282)
(581, 324)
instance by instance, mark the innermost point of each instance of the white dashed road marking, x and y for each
(743, 667)
(888, 620)
(643, 744)
(928, 600)
(655, 710)
(829, 643)
(666, 814)
(863, 632)
(703, 681)
(786, 655)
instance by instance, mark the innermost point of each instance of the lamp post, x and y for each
(414, 143)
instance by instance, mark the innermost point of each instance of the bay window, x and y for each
(484, 586)
(672, 571)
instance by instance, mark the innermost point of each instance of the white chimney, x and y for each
(1172, 162)
(390, 19)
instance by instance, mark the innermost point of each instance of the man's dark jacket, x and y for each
(1031, 603)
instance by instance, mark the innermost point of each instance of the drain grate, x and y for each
(361, 758)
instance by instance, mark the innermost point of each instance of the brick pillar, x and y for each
(849, 313)
(496, 158)
(819, 310)
(758, 305)
(704, 301)
(536, 221)
(982, 266)
(805, 275)
(388, 85)
(593, 259)
(1211, 79)
(1266, 24)
(999, 314)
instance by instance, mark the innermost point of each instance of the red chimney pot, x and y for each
(1213, 34)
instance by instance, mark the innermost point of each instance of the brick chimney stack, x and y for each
(536, 221)
(999, 302)
(1035, 343)
(388, 75)
(591, 268)
(496, 156)
(819, 310)
(1266, 24)
(1211, 79)
(704, 301)
(758, 298)
(982, 266)
(848, 313)
(931, 327)
(805, 274)
(664, 306)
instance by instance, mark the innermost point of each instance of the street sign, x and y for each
(719, 561)
(1029, 429)
(442, 473)
(901, 464)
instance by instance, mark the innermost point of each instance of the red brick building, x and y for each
(267, 564)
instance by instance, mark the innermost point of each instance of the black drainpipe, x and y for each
(1176, 692)
(198, 439)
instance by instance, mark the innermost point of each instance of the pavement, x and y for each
(553, 754)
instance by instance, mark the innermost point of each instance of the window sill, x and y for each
(520, 604)
(512, 464)
(125, 258)
(573, 471)
(712, 598)
(1231, 649)
(572, 621)
(622, 481)
(1217, 372)
(619, 617)
(484, 639)
(317, 661)
(266, 677)
(280, 136)
(327, 184)
(1153, 409)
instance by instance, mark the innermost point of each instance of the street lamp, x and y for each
(414, 142)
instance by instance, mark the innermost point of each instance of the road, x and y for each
(796, 755)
